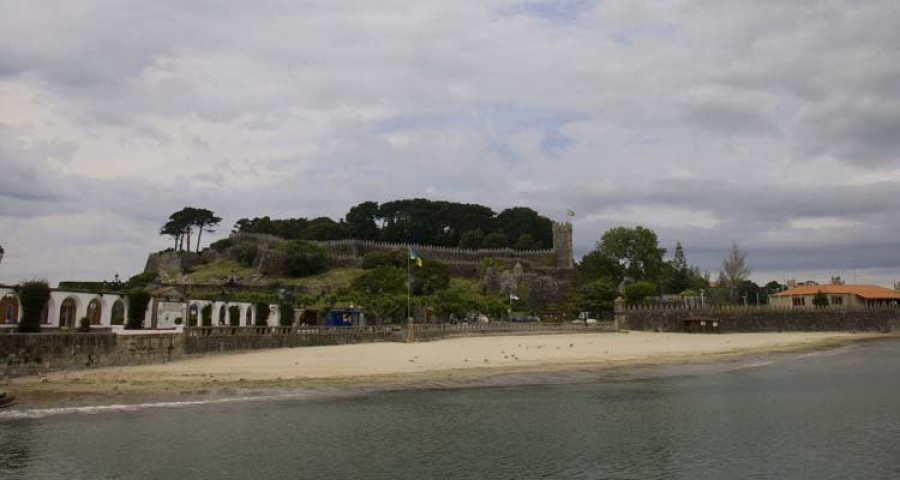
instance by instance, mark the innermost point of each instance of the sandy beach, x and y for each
(399, 365)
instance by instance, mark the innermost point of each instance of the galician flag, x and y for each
(414, 256)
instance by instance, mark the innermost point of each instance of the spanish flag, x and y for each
(414, 256)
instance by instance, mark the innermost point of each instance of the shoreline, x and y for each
(363, 368)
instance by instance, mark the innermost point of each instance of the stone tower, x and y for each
(562, 244)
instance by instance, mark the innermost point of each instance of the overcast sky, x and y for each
(775, 124)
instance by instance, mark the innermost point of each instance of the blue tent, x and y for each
(346, 317)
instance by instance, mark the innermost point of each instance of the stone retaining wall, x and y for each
(766, 319)
(35, 353)
(231, 343)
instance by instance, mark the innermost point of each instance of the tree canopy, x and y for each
(622, 252)
(181, 225)
(418, 220)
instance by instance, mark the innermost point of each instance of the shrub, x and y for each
(494, 240)
(34, 296)
(287, 314)
(142, 279)
(206, 315)
(179, 320)
(374, 260)
(138, 300)
(245, 253)
(430, 278)
(303, 258)
(223, 244)
(262, 314)
(525, 242)
(84, 325)
(471, 239)
(637, 292)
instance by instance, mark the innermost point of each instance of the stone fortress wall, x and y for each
(556, 261)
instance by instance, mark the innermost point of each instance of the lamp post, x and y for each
(1, 253)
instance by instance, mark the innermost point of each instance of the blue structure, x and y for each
(346, 317)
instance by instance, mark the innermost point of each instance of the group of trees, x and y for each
(420, 221)
(182, 223)
(630, 262)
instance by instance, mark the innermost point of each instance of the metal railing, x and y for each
(426, 328)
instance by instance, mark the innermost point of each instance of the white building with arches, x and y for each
(169, 309)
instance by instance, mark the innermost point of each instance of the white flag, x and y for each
(513, 297)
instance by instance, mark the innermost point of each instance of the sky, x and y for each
(772, 124)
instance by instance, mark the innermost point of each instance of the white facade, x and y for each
(66, 308)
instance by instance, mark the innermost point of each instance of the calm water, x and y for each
(833, 414)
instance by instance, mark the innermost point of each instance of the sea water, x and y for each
(831, 414)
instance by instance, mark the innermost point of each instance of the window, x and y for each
(9, 315)
(799, 301)
(837, 300)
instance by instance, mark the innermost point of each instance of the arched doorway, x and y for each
(118, 313)
(94, 310)
(9, 310)
(234, 316)
(223, 312)
(67, 312)
(249, 316)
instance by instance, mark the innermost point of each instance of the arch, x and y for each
(117, 317)
(94, 311)
(206, 315)
(68, 309)
(223, 314)
(234, 316)
(249, 316)
(9, 310)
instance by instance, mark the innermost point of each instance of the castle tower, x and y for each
(562, 244)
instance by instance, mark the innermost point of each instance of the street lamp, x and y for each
(1, 253)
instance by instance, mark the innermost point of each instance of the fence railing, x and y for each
(228, 331)
(427, 328)
(512, 327)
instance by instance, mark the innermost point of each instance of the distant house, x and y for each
(840, 296)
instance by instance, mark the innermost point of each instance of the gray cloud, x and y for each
(769, 123)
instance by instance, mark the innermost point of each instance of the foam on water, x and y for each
(127, 407)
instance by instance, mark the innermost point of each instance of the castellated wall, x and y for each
(556, 261)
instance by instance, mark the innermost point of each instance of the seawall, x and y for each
(762, 319)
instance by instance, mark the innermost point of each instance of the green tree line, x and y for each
(420, 221)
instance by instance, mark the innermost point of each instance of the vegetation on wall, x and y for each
(303, 258)
(286, 311)
(33, 296)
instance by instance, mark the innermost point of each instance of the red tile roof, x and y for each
(868, 292)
